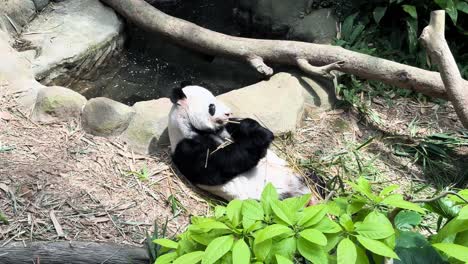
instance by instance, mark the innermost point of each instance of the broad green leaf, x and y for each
(463, 6)
(375, 226)
(233, 211)
(269, 194)
(261, 250)
(327, 226)
(208, 226)
(445, 207)
(396, 200)
(297, 203)
(252, 209)
(166, 243)
(452, 227)
(254, 227)
(312, 215)
(411, 10)
(166, 258)
(280, 212)
(363, 187)
(462, 193)
(453, 250)
(413, 247)
(376, 247)
(348, 25)
(189, 258)
(347, 222)
(407, 220)
(346, 252)
(312, 252)
(389, 189)
(220, 211)
(272, 231)
(452, 11)
(240, 252)
(282, 260)
(285, 247)
(463, 215)
(361, 256)
(314, 236)
(462, 239)
(217, 248)
(332, 241)
(412, 30)
(378, 13)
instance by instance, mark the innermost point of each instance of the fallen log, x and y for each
(311, 58)
(71, 252)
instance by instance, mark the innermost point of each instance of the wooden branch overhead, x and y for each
(259, 52)
(433, 38)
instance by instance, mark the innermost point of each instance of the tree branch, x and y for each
(323, 71)
(277, 51)
(433, 40)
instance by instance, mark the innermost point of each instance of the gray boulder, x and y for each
(105, 117)
(74, 38)
(148, 128)
(57, 103)
(14, 14)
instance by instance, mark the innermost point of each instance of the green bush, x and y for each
(360, 227)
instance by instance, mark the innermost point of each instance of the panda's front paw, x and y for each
(256, 133)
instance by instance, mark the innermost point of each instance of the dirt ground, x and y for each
(59, 183)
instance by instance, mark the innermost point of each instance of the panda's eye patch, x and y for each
(212, 109)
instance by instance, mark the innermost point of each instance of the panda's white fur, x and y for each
(189, 116)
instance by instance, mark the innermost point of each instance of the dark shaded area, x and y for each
(149, 66)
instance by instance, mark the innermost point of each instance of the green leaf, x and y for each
(314, 236)
(378, 13)
(462, 239)
(361, 256)
(219, 211)
(282, 260)
(346, 252)
(363, 187)
(240, 252)
(452, 11)
(463, 215)
(377, 247)
(389, 189)
(166, 243)
(269, 194)
(280, 212)
(204, 227)
(312, 252)
(347, 222)
(262, 250)
(272, 231)
(407, 220)
(190, 258)
(411, 10)
(348, 25)
(396, 200)
(412, 29)
(413, 248)
(217, 248)
(166, 258)
(233, 211)
(312, 215)
(463, 6)
(285, 247)
(375, 226)
(452, 227)
(453, 250)
(327, 226)
(252, 209)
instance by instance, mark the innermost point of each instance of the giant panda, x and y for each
(223, 155)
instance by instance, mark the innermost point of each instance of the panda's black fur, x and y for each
(251, 142)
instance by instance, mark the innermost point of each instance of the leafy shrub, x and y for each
(349, 229)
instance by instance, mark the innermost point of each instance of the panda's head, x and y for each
(196, 110)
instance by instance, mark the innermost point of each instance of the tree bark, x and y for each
(433, 39)
(258, 51)
(71, 252)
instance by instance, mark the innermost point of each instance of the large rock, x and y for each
(278, 103)
(57, 104)
(148, 128)
(40, 4)
(14, 14)
(105, 117)
(73, 38)
(287, 19)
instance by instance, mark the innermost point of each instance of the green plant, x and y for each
(353, 228)
(143, 174)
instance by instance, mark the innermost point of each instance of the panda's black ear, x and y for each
(177, 94)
